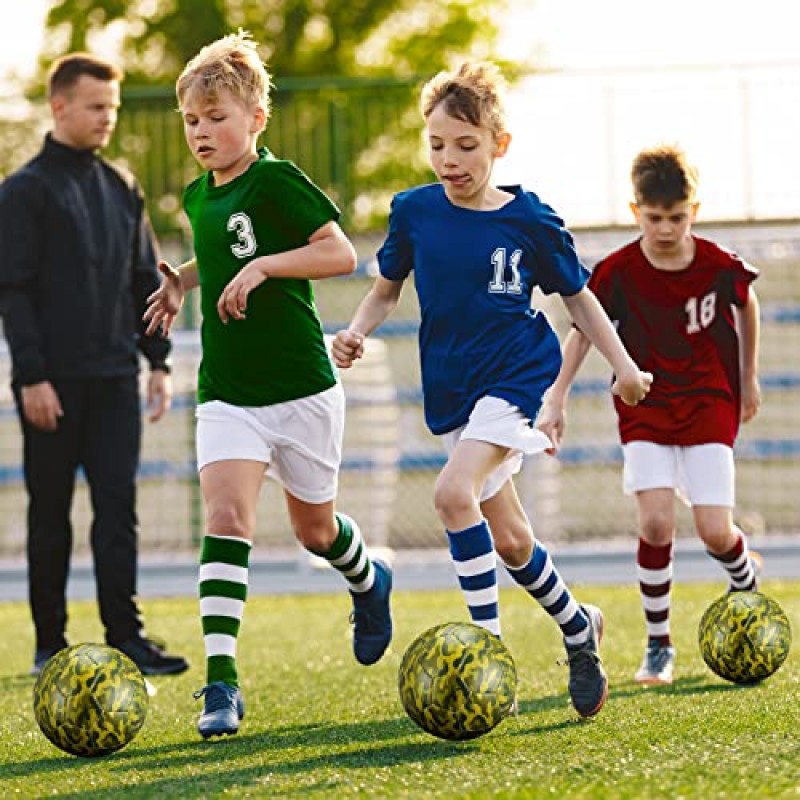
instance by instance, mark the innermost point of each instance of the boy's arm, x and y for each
(552, 419)
(631, 383)
(164, 304)
(748, 326)
(328, 253)
(380, 301)
(190, 278)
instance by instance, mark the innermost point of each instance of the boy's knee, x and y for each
(513, 543)
(718, 538)
(318, 537)
(226, 520)
(657, 528)
(452, 499)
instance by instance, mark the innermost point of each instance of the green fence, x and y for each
(357, 139)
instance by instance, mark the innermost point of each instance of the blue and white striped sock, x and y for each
(541, 580)
(475, 561)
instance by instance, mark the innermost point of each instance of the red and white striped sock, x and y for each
(738, 565)
(654, 568)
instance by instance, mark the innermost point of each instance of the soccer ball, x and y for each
(90, 700)
(744, 637)
(457, 681)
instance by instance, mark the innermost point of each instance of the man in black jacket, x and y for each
(78, 263)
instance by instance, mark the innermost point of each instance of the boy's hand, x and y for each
(232, 302)
(552, 420)
(346, 347)
(751, 398)
(632, 386)
(165, 302)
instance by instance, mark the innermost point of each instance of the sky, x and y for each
(586, 34)
(719, 77)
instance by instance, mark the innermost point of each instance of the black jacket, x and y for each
(77, 262)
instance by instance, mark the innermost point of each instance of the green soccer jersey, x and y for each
(278, 352)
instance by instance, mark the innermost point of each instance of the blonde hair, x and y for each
(229, 64)
(474, 93)
(662, 175)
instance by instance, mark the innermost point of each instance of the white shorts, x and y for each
(299, 442)
(701, 474)
(498, 422)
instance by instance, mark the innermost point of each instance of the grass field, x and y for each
(319, 726)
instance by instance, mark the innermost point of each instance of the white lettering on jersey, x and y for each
(246, 246)
(701, 314)
(498, 284)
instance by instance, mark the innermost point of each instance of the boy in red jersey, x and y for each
(686, 311)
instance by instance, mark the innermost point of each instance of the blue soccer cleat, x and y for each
(224, 707)
(657, 665)
(588, 684)
(372, 617)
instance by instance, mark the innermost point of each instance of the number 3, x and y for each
(244, 231)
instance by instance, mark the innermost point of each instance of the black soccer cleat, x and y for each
(150, 657)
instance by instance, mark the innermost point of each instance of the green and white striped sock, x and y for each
(223, 591)
(349, 556)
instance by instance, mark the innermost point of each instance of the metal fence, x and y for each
(347, 136)
(390, 460)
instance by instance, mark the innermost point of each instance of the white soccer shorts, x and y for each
(702, 474)
(299, 442)
(499, 422)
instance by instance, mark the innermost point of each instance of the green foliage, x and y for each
(326, 37)
(366, 160)
(320, 726)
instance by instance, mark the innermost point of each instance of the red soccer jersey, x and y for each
(679, 326)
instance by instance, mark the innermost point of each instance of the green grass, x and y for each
(320, 726)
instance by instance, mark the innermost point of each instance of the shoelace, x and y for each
(572, 657)
(658, 660)
(216, 698)
(157, 644)
(366, 621)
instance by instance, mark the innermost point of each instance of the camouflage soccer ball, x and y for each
(457, 681)
(90, 700)
(744, 637)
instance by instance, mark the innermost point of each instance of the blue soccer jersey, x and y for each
(474, 273)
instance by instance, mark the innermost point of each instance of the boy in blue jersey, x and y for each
(268, 396)
(477, 251)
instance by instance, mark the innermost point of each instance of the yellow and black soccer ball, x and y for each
(457, 681)
(90, 700)
(744, 637)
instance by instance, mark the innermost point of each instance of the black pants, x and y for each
(100, 432)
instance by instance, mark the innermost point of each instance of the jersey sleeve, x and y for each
(300, 203)
(601, 284)
(742, 275)
(559, 270)
(395, 257)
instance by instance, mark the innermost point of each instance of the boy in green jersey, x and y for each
(268, 397)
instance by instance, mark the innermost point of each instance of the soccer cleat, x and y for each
(588, 684)
(42, 656)
(223, 709)
(150, 657)
(372, 617)
(657, 665)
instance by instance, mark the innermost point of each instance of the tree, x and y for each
(362, 117)
(299, 37)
